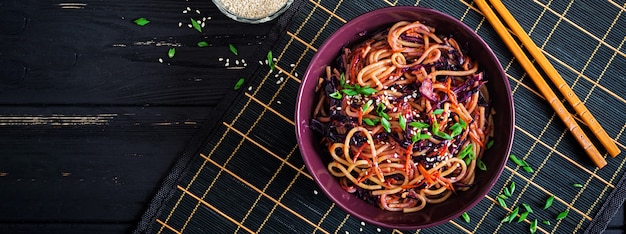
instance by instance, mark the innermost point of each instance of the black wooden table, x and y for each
(94, 113)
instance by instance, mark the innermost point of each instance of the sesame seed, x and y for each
(362, 223)
(315, 192)
(292, 65)
(295, 74)
(198, 11)
(160, 60)
(260, 62)
(237, 62)
(184, 11)
(189, 25)
(220, 59)
(180, 24)
(253, 9)
(202, 24)
(226, 64)
(188, 8)
(250, 88)
(243, 60)
(378, 229)
(279, 102)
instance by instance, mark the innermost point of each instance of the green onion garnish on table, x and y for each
(141, 21)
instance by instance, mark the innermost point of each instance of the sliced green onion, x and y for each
(463, 124)
(521, 163)
(369, 122)
(533, 226)
(502, 196)
(367, 90)
(419, 137)
(481, 165)
(380, 108)
(203, 44)
(507, 191)
(490, 144)
(443, 135)
(349, 92)
(466, 217)
(512, 187)
(270, 60)
(386, 124)
(577, 185)
(513, 214)
(233, 49)
(419, 125)
(336, 95)
(546, 222)
(171, 52)
(367, 105)
(456, 128)
(523, 216)
(435, 127)
(501, 202)
(437, 111)
(562, 215)
(239, 83)
(528, 169)
(466, 151)
(469, 159)
(402, 122)
(548, 202)
(385, 116)
(527, 207)
(516, 160)
(196, 25)
(141, 21)
(342, 79)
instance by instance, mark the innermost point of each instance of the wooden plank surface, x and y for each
(93, 113)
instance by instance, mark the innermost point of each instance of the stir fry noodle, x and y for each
(405, 116)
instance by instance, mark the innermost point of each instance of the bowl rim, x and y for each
(300, 120)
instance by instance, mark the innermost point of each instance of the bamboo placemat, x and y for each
(248, 176)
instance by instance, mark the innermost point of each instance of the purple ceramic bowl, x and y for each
(316, 159)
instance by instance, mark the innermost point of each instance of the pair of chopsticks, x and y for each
(554, 76)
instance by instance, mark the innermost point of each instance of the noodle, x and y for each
(405, 117)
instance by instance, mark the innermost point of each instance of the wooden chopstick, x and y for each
(547, 67)
(543, 87)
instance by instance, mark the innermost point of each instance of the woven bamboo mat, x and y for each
(248, 176)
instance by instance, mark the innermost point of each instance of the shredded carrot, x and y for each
(407, 163)
(427, 176)
(358, 153)
(379, 173)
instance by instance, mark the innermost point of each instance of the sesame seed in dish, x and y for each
(252, 11)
